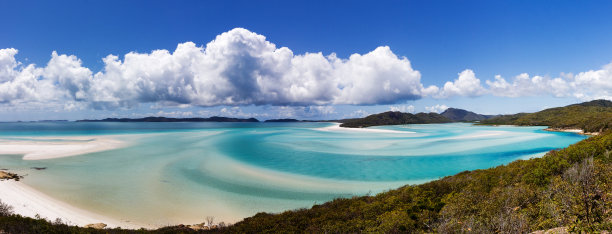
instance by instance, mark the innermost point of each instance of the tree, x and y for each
(579, 196)
(5, 209)
(210, 220)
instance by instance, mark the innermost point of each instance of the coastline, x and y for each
(549, 129)
(572, 130)
(29, 202)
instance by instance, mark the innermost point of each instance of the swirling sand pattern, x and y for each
(181, 172)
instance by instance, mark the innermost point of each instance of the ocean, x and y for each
(171, 173)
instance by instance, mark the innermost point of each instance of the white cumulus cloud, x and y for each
(21, 84)
(466, 85)
(593, 84)
(437, 108)
(242, 68)
(589, 85)
(525, 85)
(402, 108)
(238, 67)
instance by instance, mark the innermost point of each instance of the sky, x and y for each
(299, 59)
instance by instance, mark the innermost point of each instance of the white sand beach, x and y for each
(336, 127)
(37, 148)
(572, 130)
(29, 202)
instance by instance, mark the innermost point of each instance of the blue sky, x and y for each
(440, 39)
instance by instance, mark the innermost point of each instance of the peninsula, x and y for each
(589, 117)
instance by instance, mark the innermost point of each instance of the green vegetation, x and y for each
(18, 224)
(394, 118)
(593, 116)
(503, 119)
(460, 115)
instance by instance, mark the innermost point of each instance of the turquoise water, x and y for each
(182, 172)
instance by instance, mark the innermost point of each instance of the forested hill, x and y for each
(463, 115)
(394, 118)
(593, 116)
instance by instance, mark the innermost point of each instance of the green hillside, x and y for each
(461, 115)
(593, 116)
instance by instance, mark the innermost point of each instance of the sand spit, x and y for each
(336, 127)
(37, 148)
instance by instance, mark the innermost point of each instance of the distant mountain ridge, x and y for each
(394, 118)
(165, 119)
(461, 115)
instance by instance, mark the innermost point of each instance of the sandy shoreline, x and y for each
(572, 130)
(29, 202)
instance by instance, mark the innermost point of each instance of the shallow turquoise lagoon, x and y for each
(182, 172)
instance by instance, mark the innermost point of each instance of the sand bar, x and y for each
(336, 127)
(37, 148)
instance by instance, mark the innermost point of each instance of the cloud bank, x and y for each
(237, 68)
(240, 67)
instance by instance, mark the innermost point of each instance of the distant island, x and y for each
(165, 119)
(281, 120)
(394, 118)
